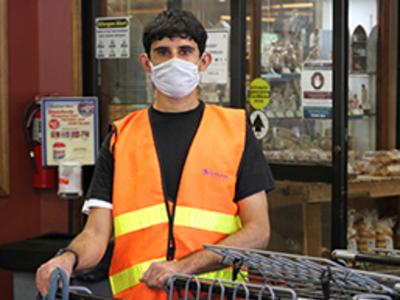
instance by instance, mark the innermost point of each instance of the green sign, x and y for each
(259, 93)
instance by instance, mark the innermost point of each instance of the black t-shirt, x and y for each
(173, 134)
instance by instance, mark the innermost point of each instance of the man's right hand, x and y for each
(90, 245)
(65, 262)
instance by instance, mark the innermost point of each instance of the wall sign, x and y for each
(316, 82)
(70, 131)
(259, 93)
(218, 46)
(260, 124)
(112, 37)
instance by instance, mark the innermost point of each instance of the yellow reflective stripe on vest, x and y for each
(140, 219)
(206, 220)
(226, 274)
(184, 216)
(131, 276)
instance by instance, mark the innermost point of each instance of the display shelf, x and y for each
(275, 116)
(305, 171)
(314, 197)
(362, 117)
(361, 187)
(280, 77)
(359, 74)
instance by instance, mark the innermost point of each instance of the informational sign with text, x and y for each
(70, 130)
(112, 37)
(259, 93)
(316, 83)
(218, 46)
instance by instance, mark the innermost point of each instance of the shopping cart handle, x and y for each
(344, 254)
(56, 276)
(371, 297)
(368, 258)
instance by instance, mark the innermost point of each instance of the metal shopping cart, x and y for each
(384, 262)
(60, 289)
(387, 257)
(275, 275)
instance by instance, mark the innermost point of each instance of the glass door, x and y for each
(362, 100)
(215, 82)
(296, 64)
(122, 85)
(293, 95)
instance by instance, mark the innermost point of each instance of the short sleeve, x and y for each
(254, 174)
(100, 189)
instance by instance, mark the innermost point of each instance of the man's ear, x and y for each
(144, 62)
(205, 60)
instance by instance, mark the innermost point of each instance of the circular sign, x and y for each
(54, 124)
(86, 108)
(259, 123)
(317, 80)
(259, 93)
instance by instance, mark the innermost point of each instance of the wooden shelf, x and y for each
(311, 196)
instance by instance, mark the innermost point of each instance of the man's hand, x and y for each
(90, 246)
(64, 262)
(159, 272)
(253, 212)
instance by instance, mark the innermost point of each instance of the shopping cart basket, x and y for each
(277, 275)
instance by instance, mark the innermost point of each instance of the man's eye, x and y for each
(186, 51)
(162, 52)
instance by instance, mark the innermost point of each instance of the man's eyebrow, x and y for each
(186, 46)
(161, 48)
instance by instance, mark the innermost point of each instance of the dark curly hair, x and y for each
(174, 23)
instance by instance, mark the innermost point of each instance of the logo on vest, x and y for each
(214, 174)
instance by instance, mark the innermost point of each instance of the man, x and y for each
(172, 177)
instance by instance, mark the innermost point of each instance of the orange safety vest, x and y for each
(205, 211)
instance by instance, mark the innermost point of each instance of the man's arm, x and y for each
(255, 233)
(90, 245)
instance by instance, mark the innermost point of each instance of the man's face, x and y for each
(182, 48)
(166, 48)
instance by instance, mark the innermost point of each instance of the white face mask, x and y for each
(175, 78)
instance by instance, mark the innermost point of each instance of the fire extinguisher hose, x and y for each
(29, 114)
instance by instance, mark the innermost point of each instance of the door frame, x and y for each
(4, 126)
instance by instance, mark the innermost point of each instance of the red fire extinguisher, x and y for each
(43, 177)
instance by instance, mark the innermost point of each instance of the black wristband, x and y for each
(64, 250)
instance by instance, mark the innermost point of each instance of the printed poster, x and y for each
(218, 46)
(70, 131)
(112, 37)
(317, 86)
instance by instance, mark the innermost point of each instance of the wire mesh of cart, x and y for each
(389, 258)
(275, 275)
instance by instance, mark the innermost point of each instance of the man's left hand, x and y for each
(159, 272)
